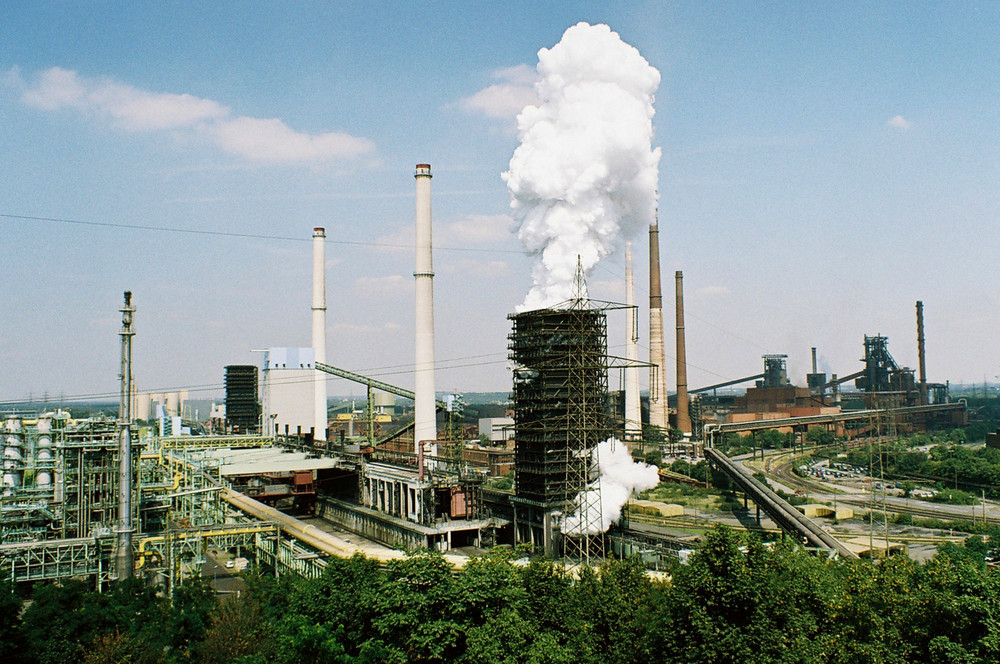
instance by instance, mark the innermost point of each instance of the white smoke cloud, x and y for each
(620, 476)
(585, 172)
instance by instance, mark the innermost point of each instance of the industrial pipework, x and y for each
(319, 330)
(683, 416)
(424, 412)
(633, 409)
(123, 556)
(657, 376)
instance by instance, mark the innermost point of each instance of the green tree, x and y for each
(238, 634)
(330, 618)
(65, 619)
(819, 436)
(737, 601)
(12, 645)
(417, 610)
(189, 617)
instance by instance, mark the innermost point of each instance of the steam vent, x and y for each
(560, 416)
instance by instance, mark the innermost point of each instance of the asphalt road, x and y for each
(225, 581)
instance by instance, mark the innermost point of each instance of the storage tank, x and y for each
(384, 403)
(43, 453)
(13, 455)
(172, 403)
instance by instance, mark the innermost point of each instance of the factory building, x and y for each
(497, 429)
(289, 392)
(73, 490)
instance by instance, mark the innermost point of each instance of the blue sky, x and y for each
(824, 166)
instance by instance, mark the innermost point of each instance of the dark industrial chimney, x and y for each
(920, 353)
(683, 416)
(657, 377)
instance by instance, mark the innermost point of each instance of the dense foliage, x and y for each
(736, 600)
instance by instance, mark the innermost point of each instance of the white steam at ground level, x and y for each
(585, 172)
(620, 476)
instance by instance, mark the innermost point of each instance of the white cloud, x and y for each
(401, 240)
(383, 287)
(359, 330)
(477, 229)
(476, 268)
(272, 140)
(139, 110)
(12, 77)
(612, 290)
(515, 90)
(899, 122)
(133, 109)
(56, 88)
(713, 291)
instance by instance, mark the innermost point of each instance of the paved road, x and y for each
(225, 581)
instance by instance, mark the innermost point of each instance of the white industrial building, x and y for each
(498, 429)
(289, 397)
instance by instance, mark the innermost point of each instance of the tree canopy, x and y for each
(737, 599)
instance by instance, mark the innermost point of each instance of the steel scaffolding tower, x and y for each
(242, 401)
(560, 415)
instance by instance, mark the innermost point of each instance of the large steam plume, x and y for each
(585, 172)
(620, 476)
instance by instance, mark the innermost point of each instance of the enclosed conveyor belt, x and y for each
(313, 536)
(784, 515)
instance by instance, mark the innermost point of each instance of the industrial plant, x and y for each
(278, 479)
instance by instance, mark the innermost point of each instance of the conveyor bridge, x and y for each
(784, 515)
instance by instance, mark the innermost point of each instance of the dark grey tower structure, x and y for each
(560, 416)
(242, 402)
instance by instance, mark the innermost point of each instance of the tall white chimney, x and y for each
(657, 376)
(319, 330)
(633, 410)
(425, 417)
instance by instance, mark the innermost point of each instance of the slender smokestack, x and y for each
(814, 359)
(683, 416)
(124, 564)
(633, 409)
(920, 353)
(657, 377)
(425, 418)
(319, 330)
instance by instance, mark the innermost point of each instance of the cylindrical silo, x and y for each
(43, 453)
(13, 455)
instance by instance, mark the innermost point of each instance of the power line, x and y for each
(251, 236)
(689, 314)
(402, 369)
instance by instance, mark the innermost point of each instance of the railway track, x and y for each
(779, 467)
